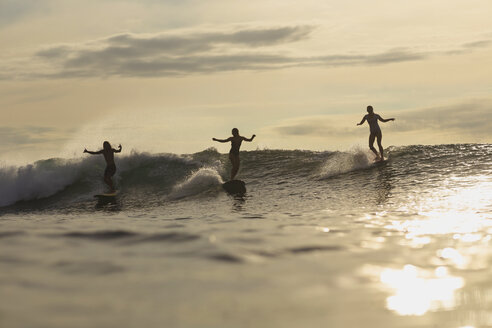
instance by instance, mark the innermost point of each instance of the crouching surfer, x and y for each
(236, 141)
(108, 153)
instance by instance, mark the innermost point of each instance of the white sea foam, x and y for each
(198, 182)
(343, 162)
(46, 178)
(35, 181)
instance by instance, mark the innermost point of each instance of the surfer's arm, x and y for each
(221, 140)
(93, 152)
(383, 120)
(117, 150)
(363, 120)
(250, 139)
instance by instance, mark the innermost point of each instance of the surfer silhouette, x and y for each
(236, 141)
(108, 153)
(373, 118)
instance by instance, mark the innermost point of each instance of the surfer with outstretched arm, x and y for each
(236, 141)
(373, 118)
(110, 170)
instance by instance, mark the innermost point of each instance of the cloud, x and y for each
(131, 46)
(26, 135)
(478, 44)
(13, 10)
(471, 118)
(469, 47)
(169, 55)
(161, 55)
(21, 144)
(317, 126)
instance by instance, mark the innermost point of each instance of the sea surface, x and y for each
(320, 239)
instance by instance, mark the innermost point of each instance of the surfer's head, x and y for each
(370, 109)
(235, 132)
(106, 145)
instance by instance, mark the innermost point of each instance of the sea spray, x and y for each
(198, 182)
(344, 162)
(39, 180)
(159, 173)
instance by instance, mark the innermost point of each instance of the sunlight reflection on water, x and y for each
(416, 291)
(453, 224)
(458, 211)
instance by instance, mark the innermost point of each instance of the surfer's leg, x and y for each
(235, 168)
(109, 182)
(235, 165)
(381, 150)
(372, 136)
(108, 173)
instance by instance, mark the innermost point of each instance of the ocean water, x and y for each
(320, 239)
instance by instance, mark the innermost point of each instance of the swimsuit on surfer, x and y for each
(373, 123)
(235, 145)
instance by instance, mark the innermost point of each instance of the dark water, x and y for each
(320, 239)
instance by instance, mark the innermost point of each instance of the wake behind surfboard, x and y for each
(235, 187)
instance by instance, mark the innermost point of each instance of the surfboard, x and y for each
(235, 187)
(106, 196)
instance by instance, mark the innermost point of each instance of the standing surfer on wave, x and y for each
(110, 170)
(372, 119)
(236, 141)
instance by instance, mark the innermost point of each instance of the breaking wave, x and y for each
(174, 177)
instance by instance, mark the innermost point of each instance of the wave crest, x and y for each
(198, 182)
(38, 180)
(344, 162)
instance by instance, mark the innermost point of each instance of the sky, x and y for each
(165, 76)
